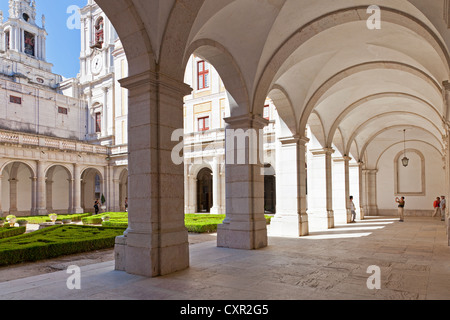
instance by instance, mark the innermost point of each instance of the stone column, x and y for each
(361, 191)
(33, 196)
(49, 195)
(77, 189)
(71, 183)
(156, 241)
(321, 185)
(291, 218)
(216, 187)
(245, 224)
(341, 188)
(13, 196)
(41, 199)
(371, 192)
(1, 209)
(347, 187)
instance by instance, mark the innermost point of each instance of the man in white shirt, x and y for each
(352, 209)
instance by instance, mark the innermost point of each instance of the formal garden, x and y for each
(34, 238)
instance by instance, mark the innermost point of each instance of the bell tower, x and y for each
(20, 33)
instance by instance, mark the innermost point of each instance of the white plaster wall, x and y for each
(434, 181)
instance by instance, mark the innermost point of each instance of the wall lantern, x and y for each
(405, 160)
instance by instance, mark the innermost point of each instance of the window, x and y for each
(29, 43)
(203, 124)
(266, 113)
(15, 100)
(99, 33)
(98, 122)
(203, 75)
(62, 110)
(7, 41)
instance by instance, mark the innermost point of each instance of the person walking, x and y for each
(126, 204)
(352, 209)
(401, 207)
(442, 206)
(436, 206)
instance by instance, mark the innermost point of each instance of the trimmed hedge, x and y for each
(7, 232)
(56, 241)
(46, 218)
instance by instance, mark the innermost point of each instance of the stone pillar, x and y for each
(77, 189)
(1, 209)
(41, 199)
(371, 192)
(156, 241)
(216, 187)
(245, 224)
(339, 189)
(347, 187)
(71, 182)
(33, 196)
(116, 207)
(13, 196)
(49, 195)
(291, 218)
(320, 186)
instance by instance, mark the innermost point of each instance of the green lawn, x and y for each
(197, 223)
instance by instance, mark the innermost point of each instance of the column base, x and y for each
(289, 225)
(77, 210)
(135, 254)
(240, 238)
(41, 212)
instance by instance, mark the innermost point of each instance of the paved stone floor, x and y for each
(413, 257)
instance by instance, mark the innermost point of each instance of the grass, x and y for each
(196, 223)
(55, 242)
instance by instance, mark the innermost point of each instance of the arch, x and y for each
(30, 166)
(285, 110)
(333, 19)
(373, 97)
(92, 187)
(397, 190)
(230, 73)
(132, 31)
(204, 190)
(317, 130)
(270, 197)
(369, 141)
(323, 89)
(366, 124)
(401, 142)
(58, 192)
(17, 188)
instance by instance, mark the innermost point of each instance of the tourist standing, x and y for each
(436, 206)
(401, 207)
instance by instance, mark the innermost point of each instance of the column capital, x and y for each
(446, 85)
(156, 79)
(323, 151)
(246, 121)
(294, 139)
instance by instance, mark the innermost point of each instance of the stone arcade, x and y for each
(343, 92)
(332, 95)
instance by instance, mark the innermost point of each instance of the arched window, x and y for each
(99, 33)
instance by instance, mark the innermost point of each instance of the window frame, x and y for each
(203, 74)
(203, 120)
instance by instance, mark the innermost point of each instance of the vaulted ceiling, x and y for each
(317, 60)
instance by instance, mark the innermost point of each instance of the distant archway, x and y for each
(204, 191)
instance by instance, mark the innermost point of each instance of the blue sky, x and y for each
(63, 41)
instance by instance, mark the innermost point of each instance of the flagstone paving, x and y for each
(413, 258)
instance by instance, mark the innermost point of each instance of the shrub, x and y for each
(11, 232)
(56, 241)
